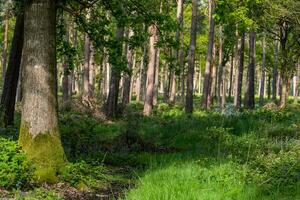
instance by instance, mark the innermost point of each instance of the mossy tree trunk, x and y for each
(39, 134)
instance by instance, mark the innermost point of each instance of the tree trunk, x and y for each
(239, 74)
(127, 76)
(148, 106)
(284, 66)
(156, 85)
(263, 74)
(86, 71)
(66, 74)
(296, 83)
(8, 97)
(5, 45)
(39, 132)
(139, 86)
(231, 76)
(209, 57)
(112, 100)
(250, 91)
(191, 66)
(220, 72)
(275, 72)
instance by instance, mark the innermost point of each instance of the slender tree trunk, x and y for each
(263, 73)
(240, 73)
(128, 76)
(250, 91)
(156, 85)
(148, 106)
(5, 45)
(66, 73)
(112, 100)
(105, 74)
(191, 63)
(231, 76)
(8, 97)
(296, 84)
(86, 71)
(139, 85)
(209, 57)
(269, 86)
(284, 70)
(39, 132)
(275, 72)
(220, 72)
(92, 70)
(200, 81)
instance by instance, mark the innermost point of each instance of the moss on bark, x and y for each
(46, 152)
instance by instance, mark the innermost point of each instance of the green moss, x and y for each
(46, 152)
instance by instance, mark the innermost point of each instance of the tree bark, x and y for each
(240, 73)
(139, 86)
(231, 76)
(156, 85)
(250, 90)
(5, 45)
(39, 132)
(263, 74)
(127, 76)
(112, 100)
(275, 72)
(86, 95)
(209, 57)
(148, 106)
(8, 97)
(191, 63)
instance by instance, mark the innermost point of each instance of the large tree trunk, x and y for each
(239, 74)
(148, 106)
(250, 91)
(209, 57)
(39, 132)
(5, 44)
(263, 74)
(8, 97)
(191, 67)
(112, 100)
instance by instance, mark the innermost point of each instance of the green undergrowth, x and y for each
(171, 155)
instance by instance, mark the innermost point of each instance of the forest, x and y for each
(149, 99)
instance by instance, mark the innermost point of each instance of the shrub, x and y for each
(15, 170)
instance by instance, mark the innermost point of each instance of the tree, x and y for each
(39, 133)
(148, 106)
(191, 63)
(209, 57)
(250, 89)
(8, 97)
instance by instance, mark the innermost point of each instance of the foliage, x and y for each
(15, 170)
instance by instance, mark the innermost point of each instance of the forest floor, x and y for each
(171, 155)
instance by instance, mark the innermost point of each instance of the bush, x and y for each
(15, 170)
(84, 176)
